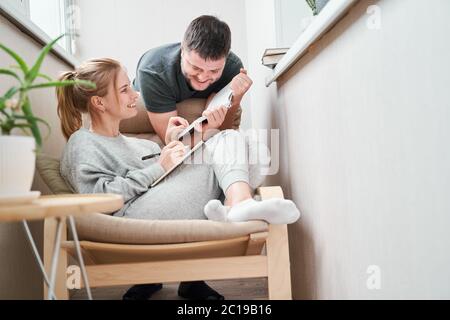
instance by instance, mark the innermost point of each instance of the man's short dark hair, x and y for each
(209, 37)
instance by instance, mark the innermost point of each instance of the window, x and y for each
(292, 17)
(46, 20)
(19, 5)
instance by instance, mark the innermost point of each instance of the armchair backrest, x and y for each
(189, 109)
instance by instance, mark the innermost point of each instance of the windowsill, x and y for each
(327, 18)
(32, 30)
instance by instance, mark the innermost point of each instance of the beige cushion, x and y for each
(48, 168)
(190, 110)
(109, 229)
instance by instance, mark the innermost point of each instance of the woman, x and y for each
(101, 160)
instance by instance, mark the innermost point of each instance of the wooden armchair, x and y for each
(122, 251)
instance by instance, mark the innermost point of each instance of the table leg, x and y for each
(80, 256)
(37, 257)
(56, 249)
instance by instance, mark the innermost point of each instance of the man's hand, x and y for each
(215, 119)
(174, 128)
(240, 85)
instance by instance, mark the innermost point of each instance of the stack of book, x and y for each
(272, 56)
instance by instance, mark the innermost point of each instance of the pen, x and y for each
(150, 156)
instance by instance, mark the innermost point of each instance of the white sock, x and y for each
(216, 211)
(274, 211)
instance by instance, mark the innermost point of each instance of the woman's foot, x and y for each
(274, 211)
(216, 211)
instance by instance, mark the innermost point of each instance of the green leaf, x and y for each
(10, 73)
(8, 95)
(11, 92)
(26, 108)
(40, 75)
(22, 125)
(15, 56)
(23, 129)
(33, 118)
(4, 113)
(28, 118)
(33, 73)
(7, 126)
(64, 83)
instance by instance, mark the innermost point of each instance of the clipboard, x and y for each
(186, 156)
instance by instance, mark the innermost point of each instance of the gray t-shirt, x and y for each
(163, 85)
(92, 163)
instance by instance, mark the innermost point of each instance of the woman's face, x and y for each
(121, 99)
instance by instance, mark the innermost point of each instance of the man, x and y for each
(199, 67)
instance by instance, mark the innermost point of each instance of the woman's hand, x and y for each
(172, 154)
(174, 128)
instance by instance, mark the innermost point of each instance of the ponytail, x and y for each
(68, 112)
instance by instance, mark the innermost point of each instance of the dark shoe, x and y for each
(198, 290)
(142, 291)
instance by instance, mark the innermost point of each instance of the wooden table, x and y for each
(60, 207)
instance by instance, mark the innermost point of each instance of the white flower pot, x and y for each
(17, 165)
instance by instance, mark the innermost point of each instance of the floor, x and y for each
(243, 289)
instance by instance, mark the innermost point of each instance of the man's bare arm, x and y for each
(240, 85)
(230, 117)
(160, 122)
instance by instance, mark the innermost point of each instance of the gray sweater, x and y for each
(92, 163)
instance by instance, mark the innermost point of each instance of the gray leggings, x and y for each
(185, 192)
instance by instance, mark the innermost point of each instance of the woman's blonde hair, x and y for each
(75, 100)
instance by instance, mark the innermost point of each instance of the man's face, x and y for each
(200, 73)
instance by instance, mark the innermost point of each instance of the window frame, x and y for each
(22, 21)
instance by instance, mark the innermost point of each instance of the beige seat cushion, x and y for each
(109, 229)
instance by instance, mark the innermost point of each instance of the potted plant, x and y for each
(17, 153)
(317, 5)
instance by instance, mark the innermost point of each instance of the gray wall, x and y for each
(365, 126)
(19, 275)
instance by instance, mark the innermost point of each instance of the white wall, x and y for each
(19, 274)
(366, 120)
(261, 34)
(126, 29)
